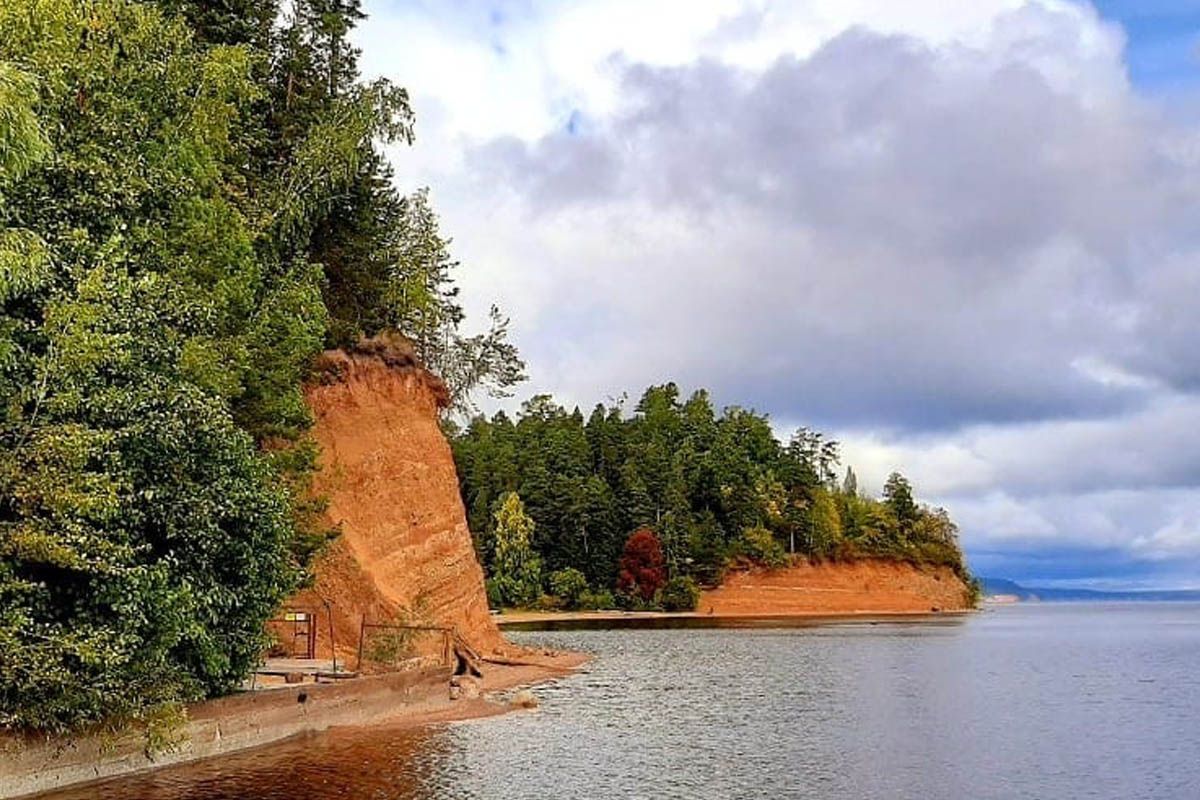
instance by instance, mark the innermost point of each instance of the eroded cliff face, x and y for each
(388, 475)
(856, 587)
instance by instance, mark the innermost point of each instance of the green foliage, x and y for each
(516, 573)
(364, 258)
(602, 600)
(143, 538)
(825, 522)
(697, 478)
(850, 483)
(485, 360)
(681, 593)
(495, 598)
(390, 646)
(227, 21)
(23, 143)
(192, 201)
(569, 585)
(897, 494)
(760, 546)
(548, 602)
(166, 729)
(974, 591)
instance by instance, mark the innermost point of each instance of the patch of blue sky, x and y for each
(1163, 51)
(574, 122)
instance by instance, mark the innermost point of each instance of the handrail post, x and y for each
(362, 631)
(332, 641)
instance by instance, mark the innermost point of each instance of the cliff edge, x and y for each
(387, 472)
(863, 586)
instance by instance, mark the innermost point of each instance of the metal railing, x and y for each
(295, 633)
(386, 647)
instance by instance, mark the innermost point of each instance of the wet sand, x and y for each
(527, 670)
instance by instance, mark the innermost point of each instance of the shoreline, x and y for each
(497, 679)
(242, 723)
(531, 620)
(248, 721)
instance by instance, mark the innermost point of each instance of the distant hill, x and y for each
(1003, 586)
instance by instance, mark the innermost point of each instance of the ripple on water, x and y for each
(1024, 702)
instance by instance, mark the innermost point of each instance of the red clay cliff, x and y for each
(864, 586)
(388, 475)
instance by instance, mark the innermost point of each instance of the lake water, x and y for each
(1030, 701)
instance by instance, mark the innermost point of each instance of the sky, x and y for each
(961, 238)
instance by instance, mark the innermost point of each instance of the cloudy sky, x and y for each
(964, 238)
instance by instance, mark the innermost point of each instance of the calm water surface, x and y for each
(1051, 701)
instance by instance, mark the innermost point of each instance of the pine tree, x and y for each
(850, 483)
(690, 480)
(897, 493)
(228, 22)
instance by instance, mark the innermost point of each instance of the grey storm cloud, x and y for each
(983, 259)
(927, 237)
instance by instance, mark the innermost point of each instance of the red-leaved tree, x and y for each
(641, 565)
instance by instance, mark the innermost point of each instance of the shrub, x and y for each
(602, 600)
(390, 646)
(640, 571)
(680, 594)
(759, 545)
(974, 592)
(569, 585)
(632, 601)
(548, 602)
(494, 597)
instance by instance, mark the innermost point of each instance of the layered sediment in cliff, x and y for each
(864, 586)
(388, 475)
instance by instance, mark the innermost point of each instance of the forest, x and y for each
(194, 203)
(555, 500)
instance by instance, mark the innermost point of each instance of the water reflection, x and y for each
(341, 763)
(1038, 702)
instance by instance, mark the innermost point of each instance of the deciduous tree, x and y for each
(641, 571)
(516, 575)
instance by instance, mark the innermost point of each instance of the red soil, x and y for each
(388, 474)
(858, 587)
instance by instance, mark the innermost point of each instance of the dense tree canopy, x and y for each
(144, 538)
(711, 487)
(192, 205)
